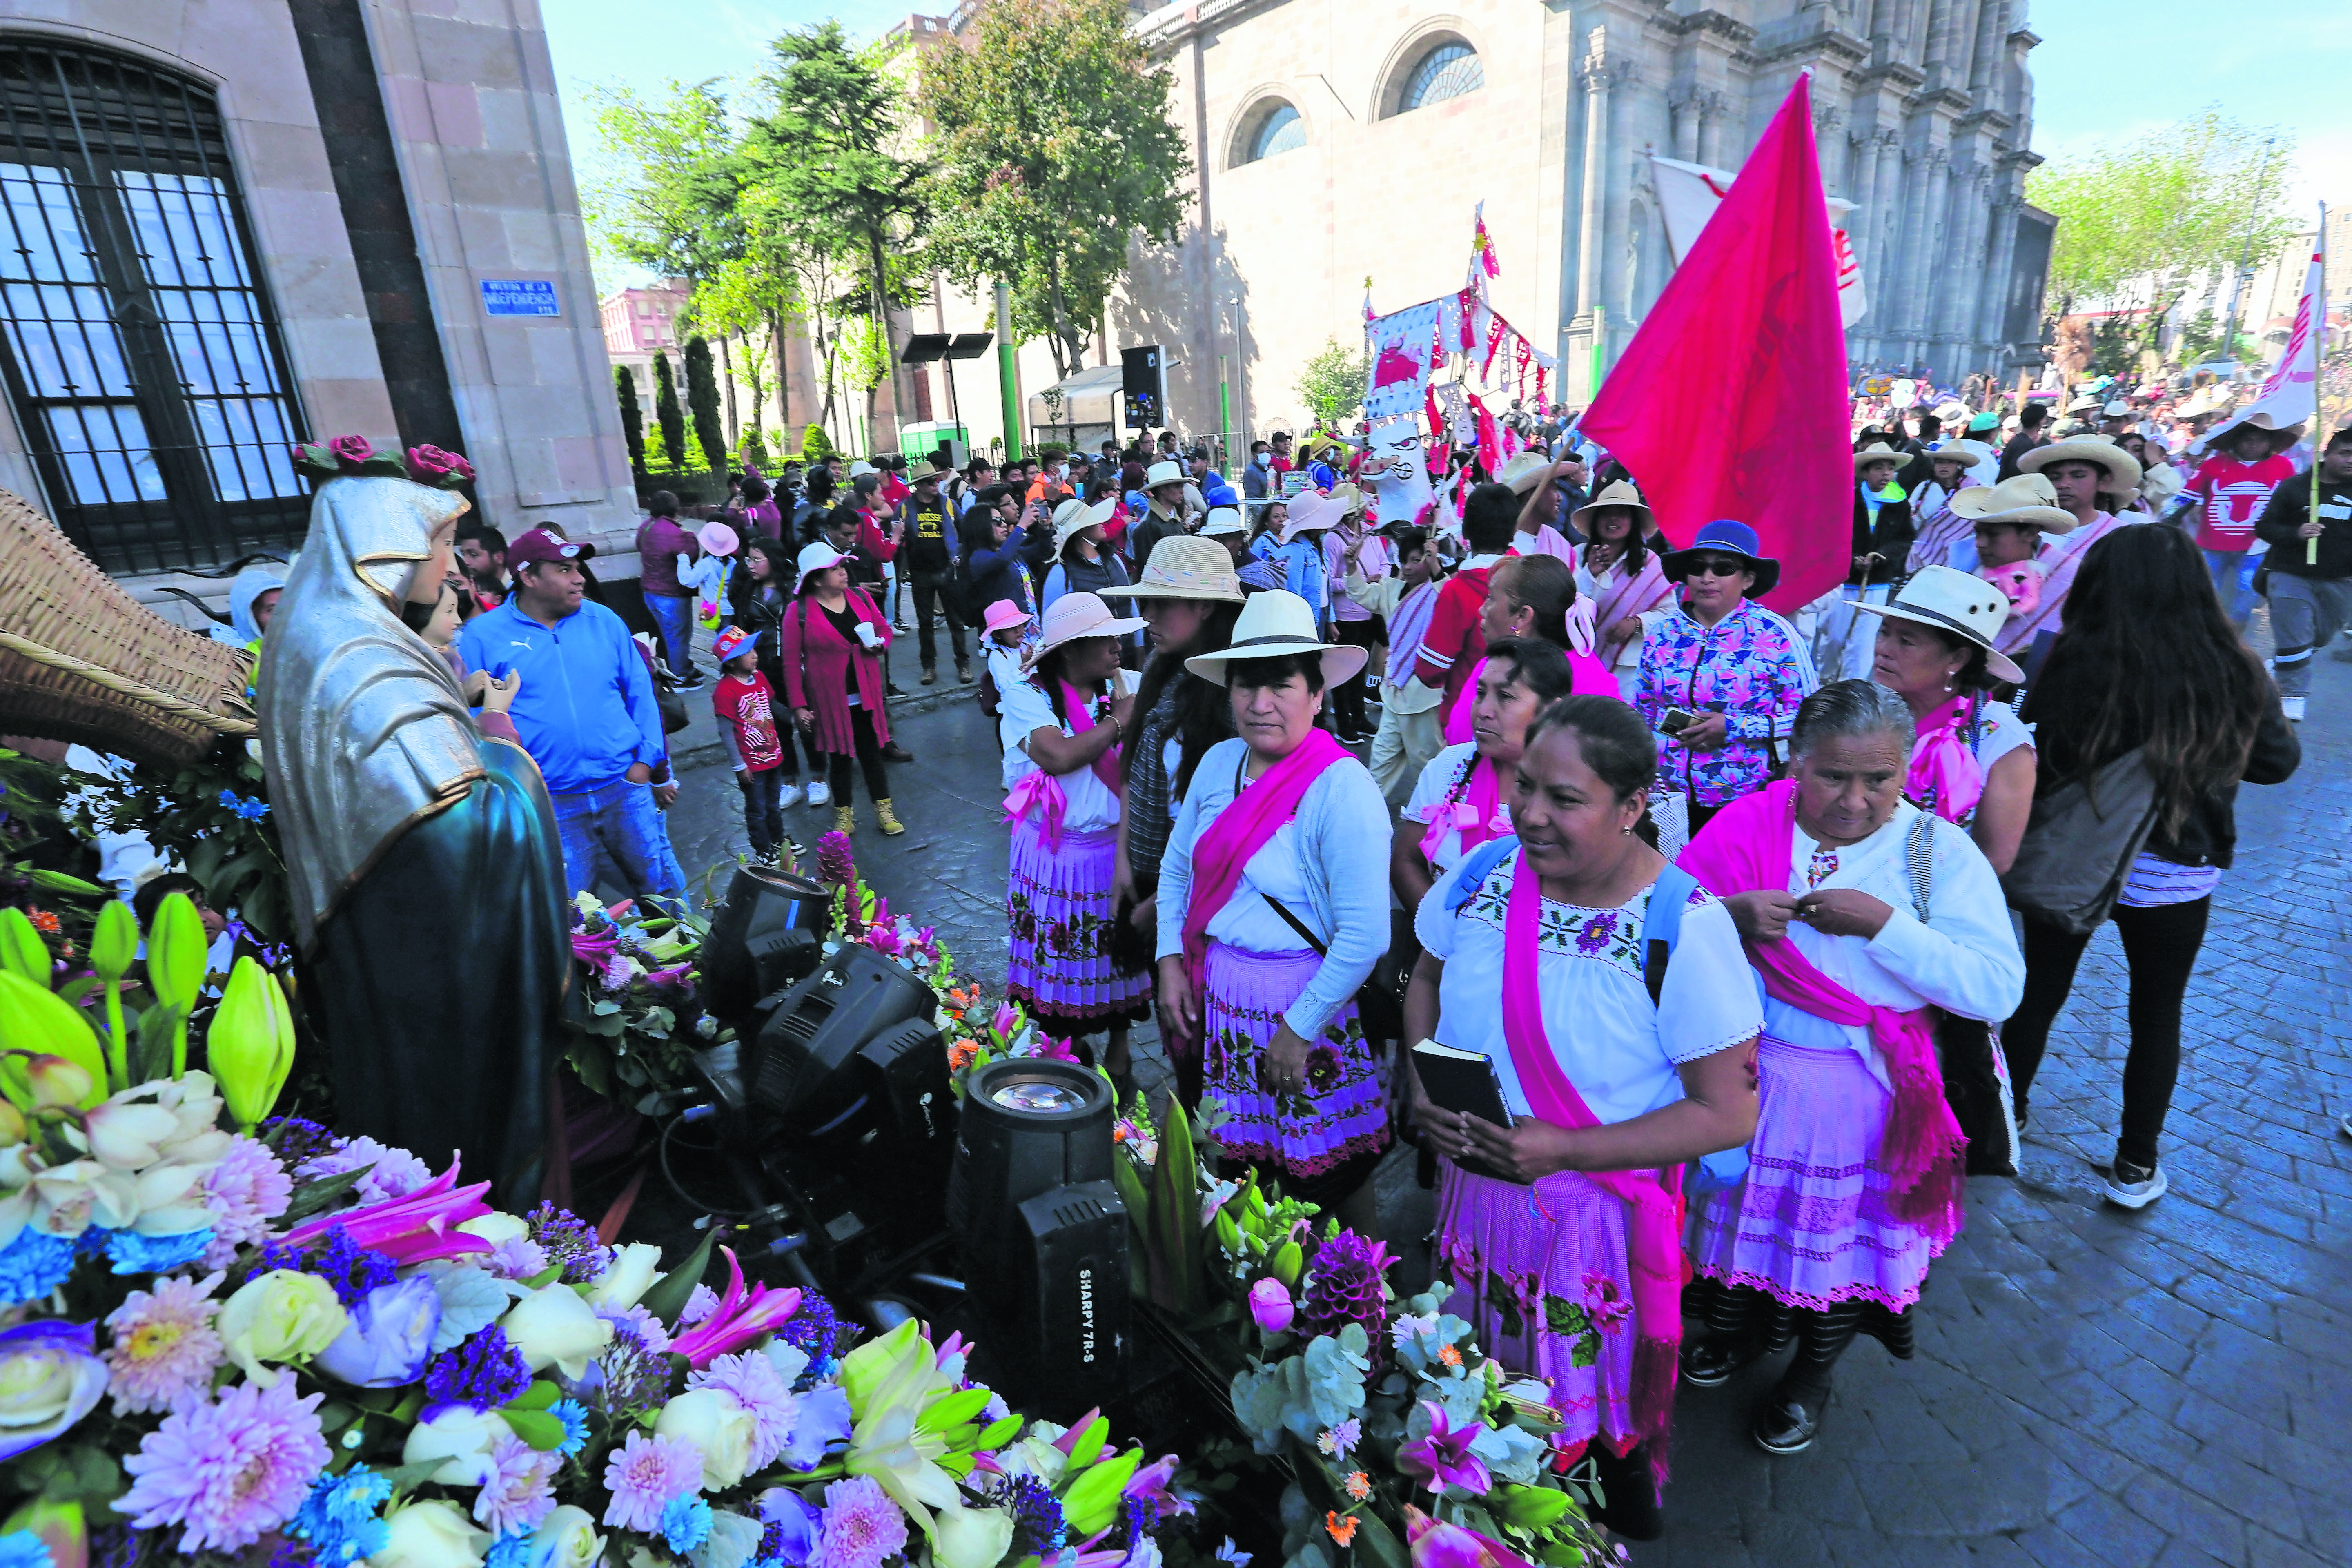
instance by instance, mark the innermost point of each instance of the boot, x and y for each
(963, 672)
(845, 819)
(1793, 1412)
(929, 675)
(891, 826)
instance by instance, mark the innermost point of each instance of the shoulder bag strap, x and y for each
(1918, 849)
(1661, 925)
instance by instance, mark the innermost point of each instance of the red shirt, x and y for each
(2232, 495)
(747, 706)
(1452, 646)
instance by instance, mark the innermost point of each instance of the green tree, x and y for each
(2154, 211)
(826, 153)
(816, 445)
(1332, 382)
(702, 397)
(1055, 148)
(669, 418)
(666, 196)
(633, 418)
(746, 300)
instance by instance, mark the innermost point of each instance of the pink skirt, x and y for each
(1058, 914)
(1321, 1143)
(1810, 1224)
(1542, 1273)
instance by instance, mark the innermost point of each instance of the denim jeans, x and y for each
(616, 834)
(764, 814)
(675, 619)
(2233, 580)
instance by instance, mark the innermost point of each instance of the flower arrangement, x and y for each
(212, 818)
(637, 994)
(343, 457)
(1400, 1439)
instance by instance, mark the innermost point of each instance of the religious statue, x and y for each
(425, 874)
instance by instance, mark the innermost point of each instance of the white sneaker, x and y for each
(819, 793)
(2128, 1186)
(789, 796)
(2293, 708)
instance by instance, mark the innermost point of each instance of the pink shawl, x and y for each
(2018, 632)
(1943, 767)
(1653, 1199)
(1591, 678)
(1242, 829)
(1747, 848)
(1624, 595)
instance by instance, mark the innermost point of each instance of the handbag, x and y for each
(2079, 846)
(1379, 1013)
(1976, 1075)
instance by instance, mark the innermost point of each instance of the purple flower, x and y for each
(391, 1172)
(244, 1191)
(50, 1376)
(518, 1257)
(352, 1269)
(641, 1322)
(1341, 1440)
(568, 1241)
(517, 1486)
(837, 862)
(862, 1528)
(350, 450)
(1039, 1526)
(1346, 1286)
(1596, 933)
(645, 1473)
(791, 1526)
(389, 1337)
(753, 1382)
(161, 1349)
(299, 1142)
(823, 1420)
(481, 1374)
(1271, 1305)
(701, 1302)
(228, 1472)
(1602, 1304)
(1443, 1459)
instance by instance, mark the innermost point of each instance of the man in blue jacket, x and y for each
(585, 713)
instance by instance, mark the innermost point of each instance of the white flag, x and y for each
(1688, 194)
(2290, 396)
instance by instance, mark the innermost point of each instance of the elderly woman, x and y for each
(1267, 924)
(1615, 1071)
(1062, 729)
(1721, 675)
(1860, 913)
(1463, 797)
(830, 644)
(1971, 759)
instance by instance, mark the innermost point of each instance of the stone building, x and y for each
(1341, 140)
(237, 224)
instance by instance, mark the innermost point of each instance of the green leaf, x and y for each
(536, 1427)
(1586, 1352)
(1507, 1307)
(58, 882)
(313, 1198)
(538, 1396)
(671, 1292)
(1562, 1316)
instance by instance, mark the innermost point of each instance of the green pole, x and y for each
(1008, 372)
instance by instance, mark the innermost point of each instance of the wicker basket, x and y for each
(81, 660)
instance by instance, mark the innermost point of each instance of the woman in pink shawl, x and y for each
(1860, 915)
(1618, 571)
(1533, 597)
(1562, 1234)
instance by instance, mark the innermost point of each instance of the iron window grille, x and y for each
(136, 336)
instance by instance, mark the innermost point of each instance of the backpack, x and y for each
(1662, 928)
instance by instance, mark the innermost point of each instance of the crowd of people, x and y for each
(1726, 900)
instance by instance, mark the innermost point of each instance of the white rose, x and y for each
(632, 1274)
(553, 1327)
(496, 1227)
(971, 1537)
(431, 1535)
(566, 1538)
(717, 1424)
(458, 1434)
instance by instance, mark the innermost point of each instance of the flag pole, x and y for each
(2318, 404)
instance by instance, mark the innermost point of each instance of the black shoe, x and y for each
(895, 752)
(890, 689)
(692, 681)
(1789, 1422)
(1709, 1363)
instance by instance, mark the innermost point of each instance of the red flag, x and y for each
(1730, 402)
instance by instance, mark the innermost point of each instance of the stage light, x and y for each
(1029, 1126)
(768, 933)
(799, 1067)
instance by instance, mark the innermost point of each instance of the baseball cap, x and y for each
(541, 544)
(729, 642)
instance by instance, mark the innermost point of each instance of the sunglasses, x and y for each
(1717, 566)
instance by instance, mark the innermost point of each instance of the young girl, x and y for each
(440, 633)
(745, 706)
(758, 597)
(707, 579)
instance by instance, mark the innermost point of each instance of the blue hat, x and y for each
(1724, 537)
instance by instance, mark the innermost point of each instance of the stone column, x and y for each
(1829, 142)
(1885, 272)
(1929, 250)
(1594, 73)
(1714, 109)
(1616, 229)
(1683, 106)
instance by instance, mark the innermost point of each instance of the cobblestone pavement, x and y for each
(2150, 1390)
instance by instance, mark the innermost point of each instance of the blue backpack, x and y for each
(1662, 927)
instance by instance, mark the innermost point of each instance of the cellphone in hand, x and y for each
(1676, 721)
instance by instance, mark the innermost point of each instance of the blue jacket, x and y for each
(1000, 574)
(586, 711)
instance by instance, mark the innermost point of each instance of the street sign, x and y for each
(519, 296)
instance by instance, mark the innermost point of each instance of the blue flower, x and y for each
(33, 1264)
(339, 1518)
(483, 1373)
(574, 1417)
(1229, 1552)
(686, 1522)
(132, 1252)
(23, 1549)
(510, 1550)
(251, 810)
(823, 1419)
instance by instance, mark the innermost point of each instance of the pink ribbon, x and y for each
(1477, 815)
(1039, 791)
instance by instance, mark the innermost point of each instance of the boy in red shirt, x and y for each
(746, 709)
(2230, 491)
(1452, 646)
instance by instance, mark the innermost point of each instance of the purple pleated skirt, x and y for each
(1320, 1143)
(1059, 913)
(1811, 1224)
(1542, 1273)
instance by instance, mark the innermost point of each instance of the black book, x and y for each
(1465, 1082)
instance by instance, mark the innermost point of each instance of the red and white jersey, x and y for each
(2230, 495)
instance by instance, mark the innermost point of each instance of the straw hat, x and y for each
(1274, 625)
(1074, 517)
(1160, 474)
(717, 539)
(2086, 404)
(1948, 413)
(2122, 468)
(1617, 492)
(815, 558)
(1970, 453)
(1344, 501)
(1522, 472)
(1224, 519)
(1183, 567)
(1725, 537)
(2118, 409)
(2026, 499)
(1880, 452)
(1075, 616)
(1308, 511)
(1958, 602)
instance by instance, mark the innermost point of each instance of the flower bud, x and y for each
(22, 951)
(250, 1044)
(57, 1083)
(175, 953)
(114, 945)
(12, 1125)
(36, 1019)
(1271, 1305)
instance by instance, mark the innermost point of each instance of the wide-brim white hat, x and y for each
(1160, 474)
(2123, 468)
(1521, 473)
(1073, 518)
(1074, 617)
(2018, 500)
(1962, 451)
(1274, 625)
(1616, 492)
(1880, 452)
(1958, 602)
(816, 557)
(1224, 519)
(1184, 566)
(1308, 511)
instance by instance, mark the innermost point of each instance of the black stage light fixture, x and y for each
(768, 933)
(1028, 1127)
(1066, 1325)
(800, 1067)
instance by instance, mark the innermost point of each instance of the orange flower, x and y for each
(959, 1054)
(1359, 1485)
(1449, 1356)
(42, 922)
(1340, 1526)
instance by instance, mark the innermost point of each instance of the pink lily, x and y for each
(1443, 1458)
(597, 951)
(1085, 1557)
(674, 975)
(413, 1229)
(1007, 1019)
(1440, 1545)
(737, 1319)
(1054, 1050)
(1069, 1439)
(954, 1346)
(1154, 1481)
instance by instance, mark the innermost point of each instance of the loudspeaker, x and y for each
(1067, 1315)
(799, 1068)
(1143, 381)
(1028, 1127)
(768, 933)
